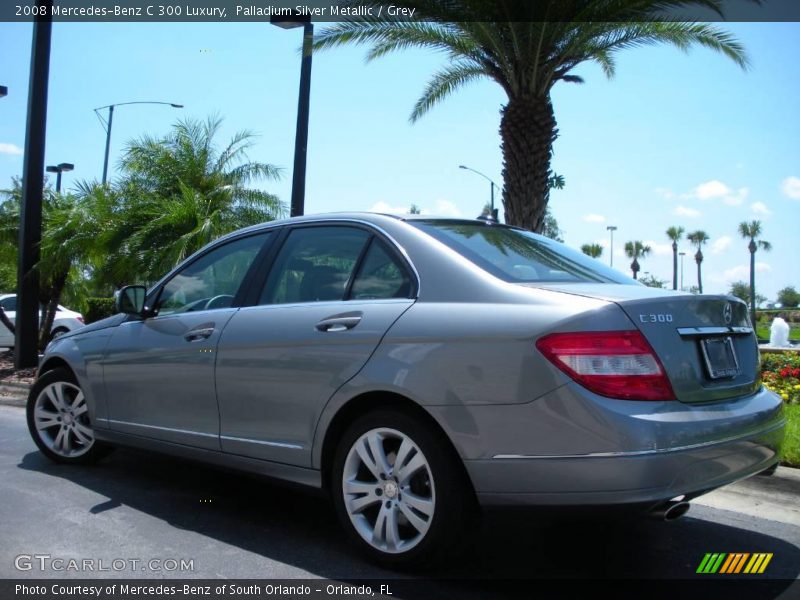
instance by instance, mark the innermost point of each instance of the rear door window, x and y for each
(380, 276)
(315, 264)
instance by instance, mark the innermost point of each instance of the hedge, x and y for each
(99, 308)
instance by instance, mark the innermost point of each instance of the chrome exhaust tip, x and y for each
(670, 511)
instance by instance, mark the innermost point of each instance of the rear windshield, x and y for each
(519, 256)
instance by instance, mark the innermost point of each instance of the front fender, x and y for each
(83, 354)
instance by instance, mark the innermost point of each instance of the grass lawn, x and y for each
(790, 455)
(763, 333)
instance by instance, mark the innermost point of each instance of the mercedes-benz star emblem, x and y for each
(727, 313)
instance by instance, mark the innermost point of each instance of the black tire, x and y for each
(83, 453)
(455, 507)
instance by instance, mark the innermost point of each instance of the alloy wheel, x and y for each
(389, 492)
(61, 418)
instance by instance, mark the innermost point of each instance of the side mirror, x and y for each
(130, 299)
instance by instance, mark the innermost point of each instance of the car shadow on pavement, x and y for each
(299, 528)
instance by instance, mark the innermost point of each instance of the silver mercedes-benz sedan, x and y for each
(417, 369)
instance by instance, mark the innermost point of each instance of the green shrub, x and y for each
(790, 452)
(99, 308)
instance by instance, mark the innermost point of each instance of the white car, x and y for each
(65, 320)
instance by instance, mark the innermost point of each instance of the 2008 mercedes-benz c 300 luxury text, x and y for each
(418, 368)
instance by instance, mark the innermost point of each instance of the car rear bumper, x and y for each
(572, 447)
(645, 477)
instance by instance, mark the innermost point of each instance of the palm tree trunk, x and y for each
(674, 265)
(50, 311)
(752, 284)
(528, 130)
(699, 259)
(635, 268)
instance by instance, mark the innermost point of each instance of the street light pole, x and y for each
(58, 169)
(492, 185)
(303, 109)
(612, 229)
(109, 123)
(26, 334)
(110, 120)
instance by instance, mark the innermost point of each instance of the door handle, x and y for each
(201, 333)
(335, 324)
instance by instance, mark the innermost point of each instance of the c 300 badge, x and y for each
(656, 318)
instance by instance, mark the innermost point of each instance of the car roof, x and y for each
(367, 217)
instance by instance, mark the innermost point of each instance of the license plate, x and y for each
(720, 357)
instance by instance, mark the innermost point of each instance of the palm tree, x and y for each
(636, 250)
(697, 239)
(752, 230)
(73, 230)
(181, 192)
(675, 234)
(593, 250)
(526, 48)
(70, 236)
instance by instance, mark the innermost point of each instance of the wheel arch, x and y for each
(54, 362)
(362, 404)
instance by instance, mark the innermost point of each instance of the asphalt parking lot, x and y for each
(138, 505)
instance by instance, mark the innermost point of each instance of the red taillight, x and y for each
(617, 364)
(80, 318)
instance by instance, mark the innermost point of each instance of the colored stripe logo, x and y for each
(734, 562)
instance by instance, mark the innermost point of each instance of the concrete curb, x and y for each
(773, 498)
(14, 400)
(13, 385)
(14, 394)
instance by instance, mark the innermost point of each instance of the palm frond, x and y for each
(444, 83)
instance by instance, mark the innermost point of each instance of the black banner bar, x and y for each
(151, 11)
(705, 588)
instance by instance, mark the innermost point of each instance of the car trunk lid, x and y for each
(706, 343)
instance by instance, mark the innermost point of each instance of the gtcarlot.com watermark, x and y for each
(57, 564)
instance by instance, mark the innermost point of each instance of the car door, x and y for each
(331, 294)
(9, 306)
(159, 371)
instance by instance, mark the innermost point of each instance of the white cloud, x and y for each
(715, 189)
(791, 187)
(385, 207)
(760, 208)
(742, 272)
(721, 244)
(685, 211)
(738, 198)
(711, 189)
(659, 249)
(10, 149)
(444, 208)
(665, 193)
(594, 218)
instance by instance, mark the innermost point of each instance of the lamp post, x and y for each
(682, 254)
(59, 168)
(110, 120)
(492, 185)
(303, 106)
(612, 229)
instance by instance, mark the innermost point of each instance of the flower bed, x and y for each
(781, 373)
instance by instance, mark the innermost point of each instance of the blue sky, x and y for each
(674, 139)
